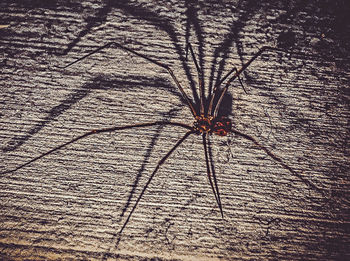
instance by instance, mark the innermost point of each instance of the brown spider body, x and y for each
(209, 124)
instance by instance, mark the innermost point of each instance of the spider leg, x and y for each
(234, 69)
(216, 89)
(279, 160)
(237, 73)
(152, 175)
(200, 80)
(96, 132)
(184, 95)
(210, 170)
(245, 66)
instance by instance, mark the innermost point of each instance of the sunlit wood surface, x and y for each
(71, 204)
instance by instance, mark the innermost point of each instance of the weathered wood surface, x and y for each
(72, 203)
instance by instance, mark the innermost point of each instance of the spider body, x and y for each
(208, 125)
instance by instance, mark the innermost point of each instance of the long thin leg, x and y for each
(219, 101)
(216, 89)
(234, 69)
(238, 72)
(184, 95)
(279, 160)
(96, 132)
(214, 174)
(209, 172)
(151, 177)
(200, 82)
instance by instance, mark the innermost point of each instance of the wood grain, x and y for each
(71, 204)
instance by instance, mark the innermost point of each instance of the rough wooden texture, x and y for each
(72, 203)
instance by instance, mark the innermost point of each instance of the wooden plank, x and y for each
(72, 203)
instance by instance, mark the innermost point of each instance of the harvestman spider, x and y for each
(206, 122)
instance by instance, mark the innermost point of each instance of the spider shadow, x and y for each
(103, 83)
(223, 51)
(164, 24)
(166, 116)
(98, 83)
(141, 13)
